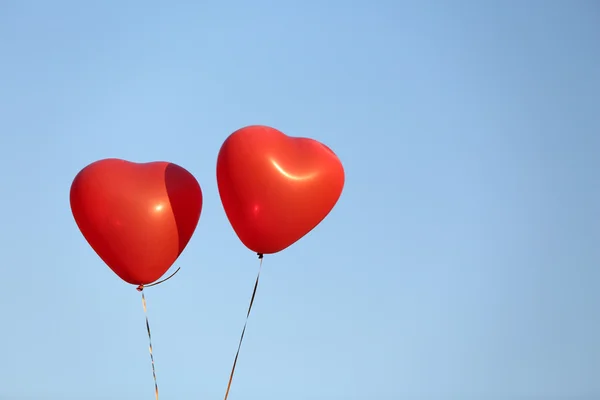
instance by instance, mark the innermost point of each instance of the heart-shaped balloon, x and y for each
(138, 217)
(276, 188)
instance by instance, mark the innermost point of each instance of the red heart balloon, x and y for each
(276, 188)
(138, 217)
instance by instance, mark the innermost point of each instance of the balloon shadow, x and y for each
(185, 197)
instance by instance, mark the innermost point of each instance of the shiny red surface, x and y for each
(138, 217)
(275, 188)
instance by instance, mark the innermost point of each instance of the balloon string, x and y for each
(260, 257)
(141, 288)
(159, 282)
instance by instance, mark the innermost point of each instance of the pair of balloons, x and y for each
(139, 217)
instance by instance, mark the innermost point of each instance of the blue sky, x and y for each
(462, 261)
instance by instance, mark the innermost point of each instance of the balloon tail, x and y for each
(260, 257)
(141, 289)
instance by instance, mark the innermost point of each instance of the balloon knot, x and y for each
(260, 255)
(140, 288)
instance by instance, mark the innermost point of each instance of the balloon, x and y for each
(138, 217)
(276, 188)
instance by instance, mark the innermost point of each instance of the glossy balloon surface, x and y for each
(138, 217)
(276, 188)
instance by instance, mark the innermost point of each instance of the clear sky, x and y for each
(462, 261)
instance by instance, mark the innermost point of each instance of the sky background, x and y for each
(461, 262)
